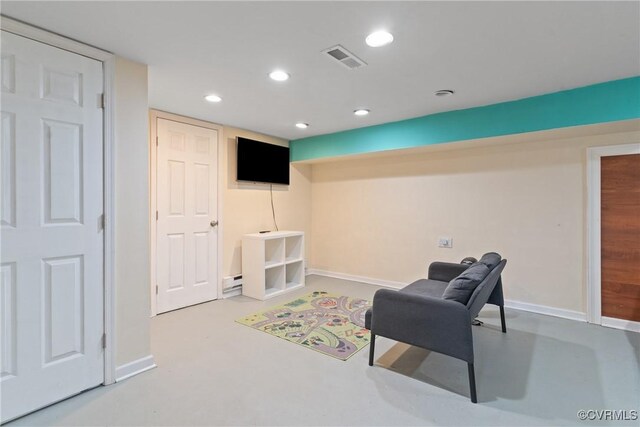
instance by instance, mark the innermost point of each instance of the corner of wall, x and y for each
(247, 206)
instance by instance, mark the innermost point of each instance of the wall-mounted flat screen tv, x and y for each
(262, 162)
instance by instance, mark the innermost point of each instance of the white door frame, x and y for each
(108, 60)
(154, 115)
(594, 285)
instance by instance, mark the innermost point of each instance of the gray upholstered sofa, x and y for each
(436, 313)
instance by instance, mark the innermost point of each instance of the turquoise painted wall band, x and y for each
(600, 103)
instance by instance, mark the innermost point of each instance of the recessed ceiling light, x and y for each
(302, 125)
(444, 92)
(361, 112)
(379, 38)
(213, 98)
(279, 75)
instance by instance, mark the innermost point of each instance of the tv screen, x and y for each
(262, 162)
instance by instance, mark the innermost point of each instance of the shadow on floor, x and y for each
(514, 372)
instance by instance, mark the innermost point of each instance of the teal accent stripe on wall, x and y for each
(600, 103)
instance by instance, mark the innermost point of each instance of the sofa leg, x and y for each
(504, 324)
(372, 348)
(472, 383)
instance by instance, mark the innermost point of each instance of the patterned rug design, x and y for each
(330, 324)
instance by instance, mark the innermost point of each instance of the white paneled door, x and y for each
(187, 232)
(51, 251)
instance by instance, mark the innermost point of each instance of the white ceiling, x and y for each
(487, 52)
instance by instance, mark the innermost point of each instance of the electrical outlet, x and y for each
(445, 242)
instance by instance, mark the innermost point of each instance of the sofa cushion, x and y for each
(426, 288)
(491, 259)
(460, 288)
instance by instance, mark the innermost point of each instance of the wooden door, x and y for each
(620, 233)
(187, 183)
(51, 275)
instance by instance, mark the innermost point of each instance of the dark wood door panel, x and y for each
(620, 245)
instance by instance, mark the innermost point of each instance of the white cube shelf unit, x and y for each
(272, 263)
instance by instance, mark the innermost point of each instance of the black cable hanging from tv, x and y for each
(273, 211)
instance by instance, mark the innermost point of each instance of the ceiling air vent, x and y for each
(344, 57)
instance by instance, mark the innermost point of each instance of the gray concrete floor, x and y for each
(213, 371)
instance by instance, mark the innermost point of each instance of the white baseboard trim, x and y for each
(627, 325)
(134, 368)
(546, 310)
(231, 293)
(362, 279)
(517, 305)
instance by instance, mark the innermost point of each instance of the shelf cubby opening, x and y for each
(274, 279)
(293, 248)
(294, 274)
(273, 251)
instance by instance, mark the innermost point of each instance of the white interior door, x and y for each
(187, 232)
(51, 252)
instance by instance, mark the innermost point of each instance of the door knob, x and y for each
(213, 223)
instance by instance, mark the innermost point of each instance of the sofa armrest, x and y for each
(497, 296)
(445, 271)
(432, 323)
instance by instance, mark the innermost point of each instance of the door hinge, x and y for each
(101, 101)
(104, 341)
(156, 141)
(156, 289)
(101, 222)
(156, 215)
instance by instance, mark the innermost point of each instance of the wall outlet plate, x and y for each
(445, 242)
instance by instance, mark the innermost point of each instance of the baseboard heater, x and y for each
(231, 283)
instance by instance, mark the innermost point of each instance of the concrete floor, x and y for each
(213, 371)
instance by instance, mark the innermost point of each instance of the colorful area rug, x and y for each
(330, 324)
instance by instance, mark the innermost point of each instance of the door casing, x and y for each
(108, 63)
(154, 115)
(594, 271)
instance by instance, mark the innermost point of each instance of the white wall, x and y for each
(247, 206)
(381, 217)
(132, 212)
